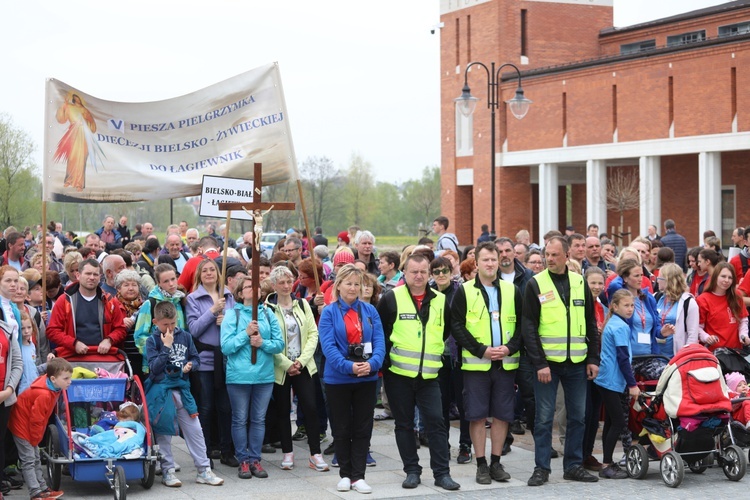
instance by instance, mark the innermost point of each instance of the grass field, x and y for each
(395, 243)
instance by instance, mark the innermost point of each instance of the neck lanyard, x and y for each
(668, 305)
(642, 313)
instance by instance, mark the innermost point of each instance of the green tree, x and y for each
(422, 198)
(20, 189)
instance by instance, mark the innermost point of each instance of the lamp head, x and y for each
(519, 105)
(467, 103)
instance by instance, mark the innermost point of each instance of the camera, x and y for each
(357, 353)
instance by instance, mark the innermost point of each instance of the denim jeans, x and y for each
(215, 401)
(249, 404)
(593, 410)
(525, 377)
(404, 393)
(573, 380)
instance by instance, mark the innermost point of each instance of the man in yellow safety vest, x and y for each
(562, 343)
(415, 319)
(485, 313)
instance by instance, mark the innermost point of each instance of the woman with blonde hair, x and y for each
(353, 342)
(677, 308)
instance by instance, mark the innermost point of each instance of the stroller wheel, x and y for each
(735, 463)
(672, 469)
(636, 461)
(699, 467)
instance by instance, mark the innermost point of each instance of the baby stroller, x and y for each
(686, 421)
(75, 413)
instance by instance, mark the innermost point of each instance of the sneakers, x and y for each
(345, 484)
(169, 479)
(48, 493)
(257, 470)
(300, 435)
(208, 477)
(329, 449)
(334, 461)
(243, 472)
(361, 486)
(268, 448)
(483, 474)
(369, 461)
(230, 460)
(497, 472)
(538, 478)
(592, 464)
(464, 454)
(613, 471)
(317, 463)
(287, 463)
(516, 427)
(578, 473)
(624, 460)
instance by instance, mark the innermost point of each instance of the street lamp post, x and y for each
(467, 103)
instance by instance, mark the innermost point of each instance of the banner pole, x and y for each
(44, 256)
(224, 256)
(310, 242)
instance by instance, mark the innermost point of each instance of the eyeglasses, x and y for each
(438, 272)
(247, 287)
(290, 250)
(535, 262)
(661, 278)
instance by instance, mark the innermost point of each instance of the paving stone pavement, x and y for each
(302, 483)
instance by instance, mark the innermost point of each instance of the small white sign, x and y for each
(217, 190)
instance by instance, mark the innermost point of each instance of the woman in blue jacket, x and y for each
(249, 385)
(352, 340)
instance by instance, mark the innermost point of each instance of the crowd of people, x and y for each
(507, 335)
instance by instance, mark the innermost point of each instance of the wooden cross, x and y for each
(258, 208)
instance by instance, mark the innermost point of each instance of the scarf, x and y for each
(131, 306)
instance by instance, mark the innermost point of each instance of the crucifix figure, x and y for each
(258, 209)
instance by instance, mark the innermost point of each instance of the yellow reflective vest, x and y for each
(479, 324)
(562, 326)
(417, 348)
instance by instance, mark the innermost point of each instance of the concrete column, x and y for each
(649, 170)
(548, 199)
(596, 194)
(709, 193)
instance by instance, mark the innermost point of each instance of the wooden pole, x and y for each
(310, 242)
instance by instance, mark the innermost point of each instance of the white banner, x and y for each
(106, 151)
(217, 190)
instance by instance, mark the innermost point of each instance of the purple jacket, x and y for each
(202, 323)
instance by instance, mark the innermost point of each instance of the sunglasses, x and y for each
(438, 272)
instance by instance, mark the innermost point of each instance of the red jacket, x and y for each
(29, 416)
(61, 330)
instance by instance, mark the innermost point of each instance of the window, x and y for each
(464, 134)
(524, 33)
(728, 214)
(692, 37)
(634, 48)
(735, 29)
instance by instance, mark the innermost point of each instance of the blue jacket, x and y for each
(615, 285)
(333, 341)
(162, 412)
(678, 245)
(235, 344)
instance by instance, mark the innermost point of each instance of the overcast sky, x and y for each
(359, 76)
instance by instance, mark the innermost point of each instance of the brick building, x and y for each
(668, 100)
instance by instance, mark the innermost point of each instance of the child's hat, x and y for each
(733, 380)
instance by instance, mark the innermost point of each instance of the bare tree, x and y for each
(319, 178)
(623, 194)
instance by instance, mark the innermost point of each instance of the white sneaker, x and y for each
(208, 477)
(344, 485)
(169, 479)
(287, 463)
(361, 486)
(317, 463)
